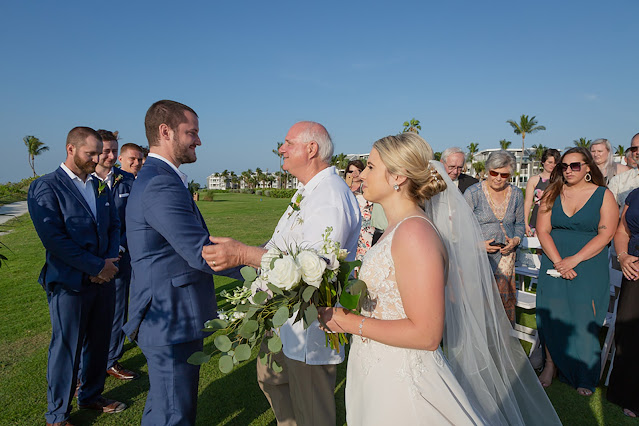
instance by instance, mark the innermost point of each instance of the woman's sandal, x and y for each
(629, 413)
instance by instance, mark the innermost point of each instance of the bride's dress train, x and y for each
(387, 385)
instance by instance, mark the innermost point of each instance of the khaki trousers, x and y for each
(301, 394)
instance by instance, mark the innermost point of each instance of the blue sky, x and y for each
(252, 69)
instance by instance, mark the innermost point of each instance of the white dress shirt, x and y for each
(622, 185)
(85, 188)
(183, 177)
(327, 201)
(108, 179)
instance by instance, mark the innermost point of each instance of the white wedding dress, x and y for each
(387, 385)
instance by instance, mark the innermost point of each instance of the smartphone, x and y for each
(496, 244)
(349, 179)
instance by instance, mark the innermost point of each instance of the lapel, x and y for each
(68, 183)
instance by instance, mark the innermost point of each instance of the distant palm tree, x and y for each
(524, 126)
(479, 168)
(35, 147)
(582, 143)
(438, 155)
(504, 144)
(620, 151)
(539, 151)
(277, 152)
(472, 150)
(412, 126)
(340, 161)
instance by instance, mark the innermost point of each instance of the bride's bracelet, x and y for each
(361, 325)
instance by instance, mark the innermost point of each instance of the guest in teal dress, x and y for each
(577, 219)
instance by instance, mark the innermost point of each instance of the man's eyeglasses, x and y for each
(575, 167)
(494, 173)
(633, 149)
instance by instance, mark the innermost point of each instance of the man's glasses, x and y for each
(633, 149)
(494, 173)
(575, 167)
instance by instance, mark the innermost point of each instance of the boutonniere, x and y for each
(117, 179)
(101, 188)
(295, 205)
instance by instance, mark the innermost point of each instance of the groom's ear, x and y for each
(164, 132)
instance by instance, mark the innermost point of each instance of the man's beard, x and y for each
(87, 167)
(182, 153)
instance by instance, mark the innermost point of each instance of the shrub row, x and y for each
(207, 194)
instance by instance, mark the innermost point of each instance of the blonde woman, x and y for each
(601, 152)
(417, 297)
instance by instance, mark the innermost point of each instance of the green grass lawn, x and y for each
(234, 399)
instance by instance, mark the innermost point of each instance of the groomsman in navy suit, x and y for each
(172, 293)
(119, 182)
(77, 223)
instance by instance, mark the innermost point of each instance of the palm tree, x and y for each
(526, 125)
(412, 126)
(479, 168)
(277, 152)
(34, 147)
(472, 150)
(504, 144)
(621, 151)
(340, 161)
(582, 143)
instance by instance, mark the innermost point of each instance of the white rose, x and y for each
(285, 274)
(312, 267)
(268, 257)
(343, 254)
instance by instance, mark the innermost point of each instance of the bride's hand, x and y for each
(332, 319)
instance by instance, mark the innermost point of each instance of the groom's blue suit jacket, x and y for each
(172, 293)
(76, 243)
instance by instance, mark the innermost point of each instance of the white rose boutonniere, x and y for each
(312, 267)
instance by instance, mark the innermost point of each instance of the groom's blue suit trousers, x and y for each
(172, 398)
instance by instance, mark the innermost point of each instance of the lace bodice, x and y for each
(378, 272)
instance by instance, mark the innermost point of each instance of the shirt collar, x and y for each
(73, 176)
(182, 176)
(108, 176)
(315, 180)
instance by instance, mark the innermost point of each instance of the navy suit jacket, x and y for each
(465, 182)
(172, 293)
(120, 192)
(76, 243)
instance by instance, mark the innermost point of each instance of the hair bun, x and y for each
(432, 185)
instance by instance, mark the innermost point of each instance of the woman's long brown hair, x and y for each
(557, 177)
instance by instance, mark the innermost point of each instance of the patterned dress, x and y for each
(366, 233)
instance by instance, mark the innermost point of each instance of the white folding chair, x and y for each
(528, 262)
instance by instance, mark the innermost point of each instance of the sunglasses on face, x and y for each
(633, 148)
(493, 173)
(575, 167)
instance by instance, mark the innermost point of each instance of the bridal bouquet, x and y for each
(293, 283)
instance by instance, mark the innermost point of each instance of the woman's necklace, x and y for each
(499, 210)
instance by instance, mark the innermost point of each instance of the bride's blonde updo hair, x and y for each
(408, 154)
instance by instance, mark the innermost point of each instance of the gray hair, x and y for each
(316, 132)
(499, 159)
(610, 166)
(450, 151)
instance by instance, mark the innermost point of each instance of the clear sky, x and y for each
(252, 69)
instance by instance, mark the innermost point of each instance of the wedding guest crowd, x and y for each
(499, 208)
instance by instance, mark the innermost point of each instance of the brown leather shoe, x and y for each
(105, 405)
(62, 423)
(121, 373)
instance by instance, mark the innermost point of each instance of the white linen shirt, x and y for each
(108, 179)
(622, 185)
(327, 201)
(85, 188)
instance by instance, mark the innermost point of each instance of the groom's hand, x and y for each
(108, 272)
(224, 253)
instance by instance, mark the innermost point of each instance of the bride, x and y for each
(428, 282)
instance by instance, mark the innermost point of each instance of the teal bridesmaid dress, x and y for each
(570, 313)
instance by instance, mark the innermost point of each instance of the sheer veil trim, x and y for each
(486, 359)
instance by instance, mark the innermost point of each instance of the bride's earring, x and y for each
(396, 187)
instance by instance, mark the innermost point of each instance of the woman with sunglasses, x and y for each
(577, 219)
(353, 170)
(602, 154)
(623, 389)
(499, 208)
(535, 188)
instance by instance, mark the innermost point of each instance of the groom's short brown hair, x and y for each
(166, 112)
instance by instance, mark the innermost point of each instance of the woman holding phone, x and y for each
(499, 208)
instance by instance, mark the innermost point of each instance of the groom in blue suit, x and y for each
(172, 293)
(75, 218)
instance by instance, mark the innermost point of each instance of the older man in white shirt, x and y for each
(623, 184)
(303, 393)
